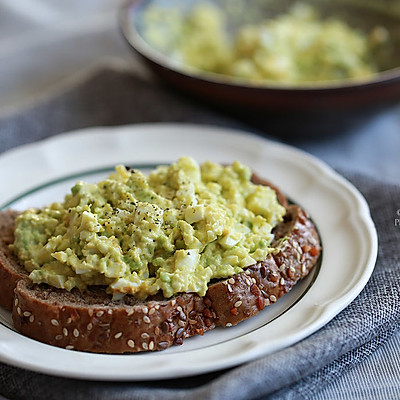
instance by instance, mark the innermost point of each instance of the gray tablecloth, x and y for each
(321, 366)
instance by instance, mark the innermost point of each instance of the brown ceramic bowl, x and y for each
(284, 109)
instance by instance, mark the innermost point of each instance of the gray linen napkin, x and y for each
(300, 371)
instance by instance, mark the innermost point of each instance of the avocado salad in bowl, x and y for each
(330, 65)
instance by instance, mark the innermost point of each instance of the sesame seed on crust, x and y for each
(182, 316)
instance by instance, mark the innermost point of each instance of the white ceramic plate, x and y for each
(37, 174)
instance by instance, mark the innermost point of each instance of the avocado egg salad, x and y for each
(298, 46)
(171, 231)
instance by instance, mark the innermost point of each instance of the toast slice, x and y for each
(90, 321)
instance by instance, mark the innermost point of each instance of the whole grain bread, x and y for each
(90, 321)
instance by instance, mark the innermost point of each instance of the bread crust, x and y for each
(91, 321)
(11, 272)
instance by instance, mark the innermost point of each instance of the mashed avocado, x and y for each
(294, 47)
(173, 231)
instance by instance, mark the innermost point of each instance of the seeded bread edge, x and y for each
(10, 270)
